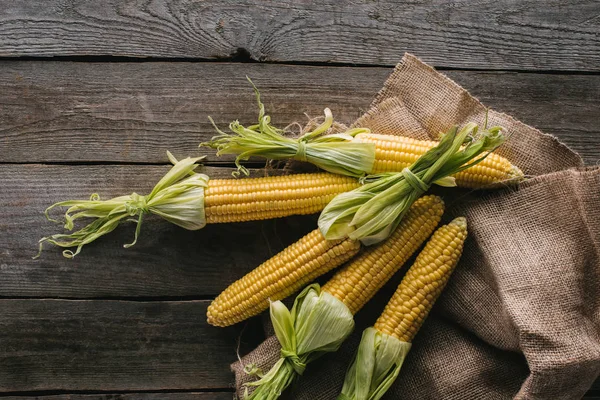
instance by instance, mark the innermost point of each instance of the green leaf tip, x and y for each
(375, 367)
(178, 197)
(334, 153)
(318, 323)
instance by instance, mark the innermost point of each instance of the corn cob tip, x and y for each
(515, 173)
(459, 221)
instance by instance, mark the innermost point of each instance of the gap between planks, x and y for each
(246, 60)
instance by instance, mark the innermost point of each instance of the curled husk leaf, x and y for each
(335, 153)
(371, 212)
(375, 367)
(178, 197)
(318, 323)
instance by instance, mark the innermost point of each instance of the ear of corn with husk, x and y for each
(371, 212)
(384, 347)
(355, 152)
(192, 200)
(344, 295)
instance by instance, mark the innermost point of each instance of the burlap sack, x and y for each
(520, 317)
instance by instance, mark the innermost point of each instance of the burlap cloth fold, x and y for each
(520, 317)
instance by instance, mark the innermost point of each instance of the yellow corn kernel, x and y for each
(356, 283)
(279, 277)
(393, 153)
(251, 199)
(423, 283)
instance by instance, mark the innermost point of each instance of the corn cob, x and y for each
(394, 153)
(279, 277)
(383, 348)
(313, 256)
(236, 200)
(423, 283)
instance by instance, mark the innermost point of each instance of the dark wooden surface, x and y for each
(530, 34)
(113, 345)
(94, 93)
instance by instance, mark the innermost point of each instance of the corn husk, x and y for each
(318, 323)
(372, 212)
(336, 153)
(375, 367)
(178, 197)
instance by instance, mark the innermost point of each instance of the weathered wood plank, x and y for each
(134, 112)
(55, 111)
(532, 34)
(50, 345)
(166, 261)
(112, 345)
(131, 396)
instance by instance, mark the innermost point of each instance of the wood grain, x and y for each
(75, 345)
(131, 396)
(112, 345)
(531, 34)
(134, 112)
(167, 261)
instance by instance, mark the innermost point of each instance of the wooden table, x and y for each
(93, 94)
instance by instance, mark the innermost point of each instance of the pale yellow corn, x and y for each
(423, 283)
(279, 277)
(393, 153)
(251, 199)
(357, 282)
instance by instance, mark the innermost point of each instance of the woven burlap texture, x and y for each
(520, 317)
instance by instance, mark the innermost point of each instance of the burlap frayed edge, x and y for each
(381, 96)
(534, 181)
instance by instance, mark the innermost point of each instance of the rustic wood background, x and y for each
(94, 92)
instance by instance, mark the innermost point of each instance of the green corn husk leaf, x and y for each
(371, 212)
(335, 153)
(318, 323)
(178, 197)
(375, 367)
